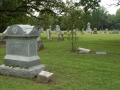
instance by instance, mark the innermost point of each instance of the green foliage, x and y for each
(117, 19)
(68, 36)
(99, 18)
(95, 19)
(17, 11)
(89, 4)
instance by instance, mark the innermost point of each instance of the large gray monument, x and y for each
(21, 58)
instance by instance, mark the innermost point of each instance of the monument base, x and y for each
(21, 72)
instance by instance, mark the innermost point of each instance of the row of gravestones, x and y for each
(60, 35)
(49, 31)
(89, 30)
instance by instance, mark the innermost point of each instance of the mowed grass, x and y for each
(73, 71)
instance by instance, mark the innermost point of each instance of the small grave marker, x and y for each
(44, 77)
(101, 53)
(83, 50)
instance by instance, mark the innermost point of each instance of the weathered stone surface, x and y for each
(101, 53)
(58, 29)
(44, 77)
(95, 31)
(115, 31)
(21, 52)
(83, 50)
(21, 46)
(20, 71)
(88, 29)
(48, 31)
(21, 31)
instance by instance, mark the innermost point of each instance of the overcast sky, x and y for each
(112, 9)
(106, 3)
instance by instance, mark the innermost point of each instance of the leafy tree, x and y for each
(103, 17)
(13, 7)
(117, 19)
(111, 21)
(99, 18)
(23, 8)
(74, 12)
(95, 19)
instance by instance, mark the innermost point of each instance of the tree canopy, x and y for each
(21, 11)
(13, 7)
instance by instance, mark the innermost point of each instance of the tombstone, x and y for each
(58, 29)
(88, 30)
(41, 30)
(95, 31)
(106, 30)
(60, 35)
(101, 53)
(44, 77)
(115, 31)
(83, 50)
(39, 41)
(48, 31)
(21, 58)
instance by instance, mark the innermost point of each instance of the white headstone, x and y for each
(83, 50)
(44, 77)
(57, 28)
(48, 31)
(88, 30)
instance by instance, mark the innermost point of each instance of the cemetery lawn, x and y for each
(73, 71)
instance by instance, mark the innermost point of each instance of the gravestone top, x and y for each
(57, 28)
(21, 30)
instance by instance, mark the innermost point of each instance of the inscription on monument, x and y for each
(14, 30)
(27, 49)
